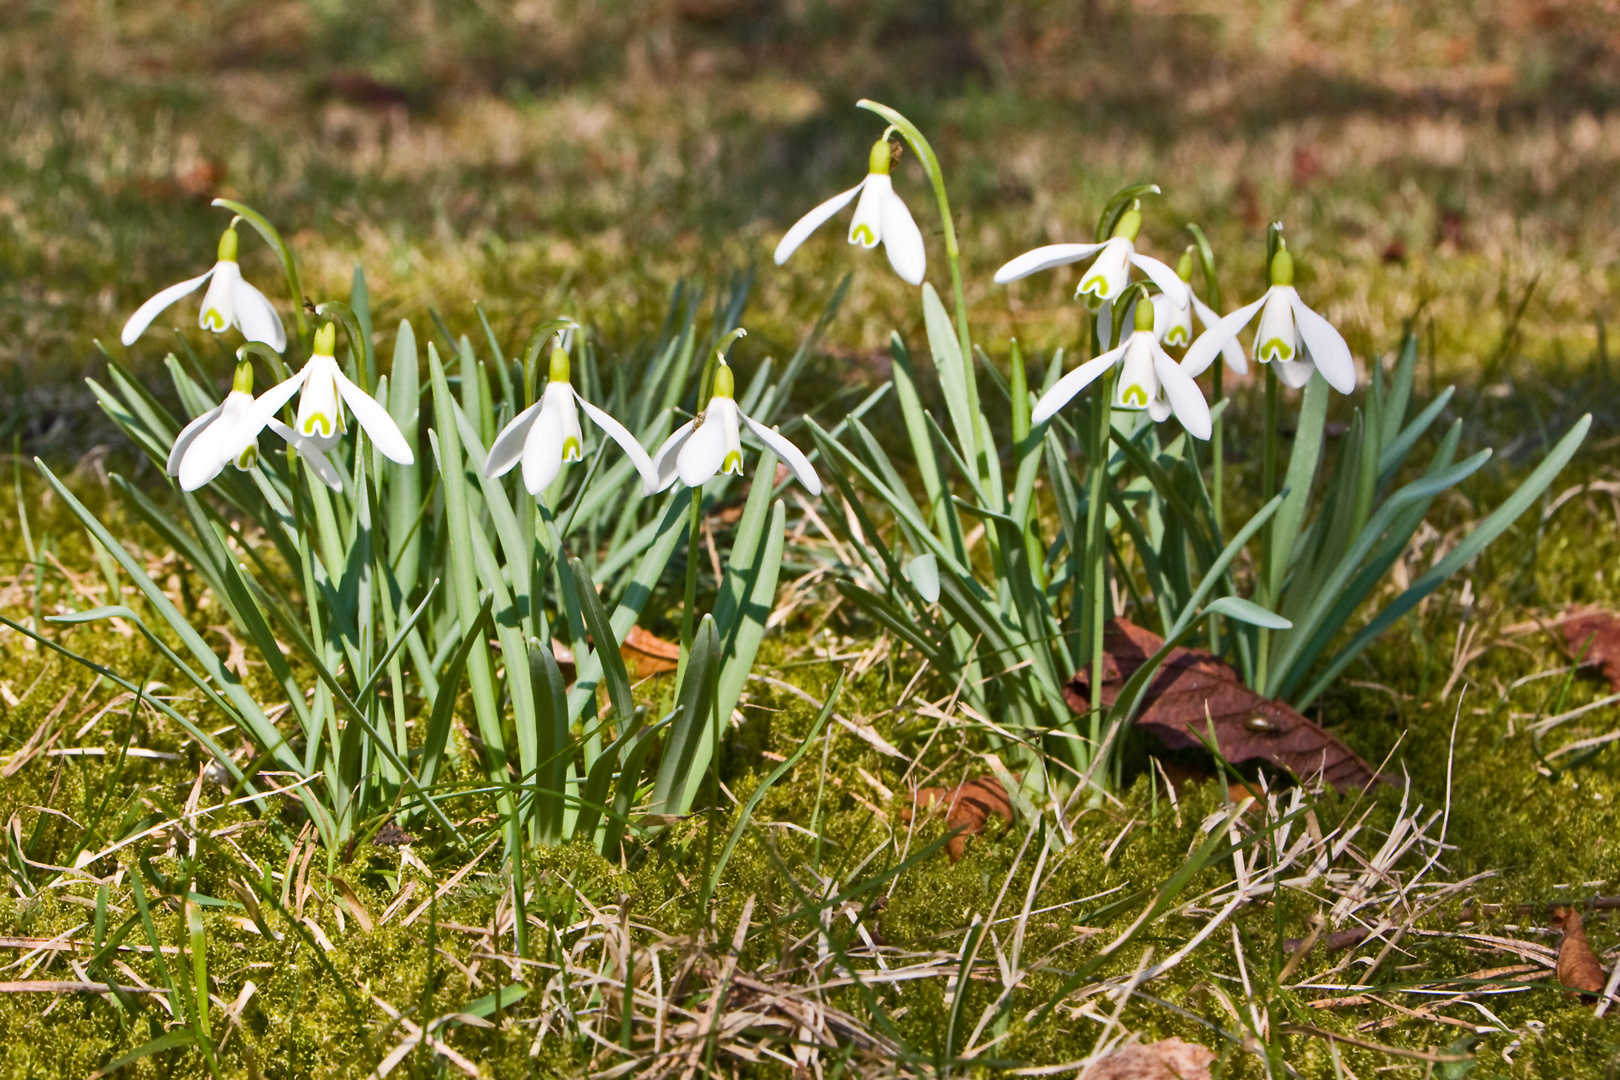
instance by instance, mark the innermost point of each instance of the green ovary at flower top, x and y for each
(1291, 335)
(710, 443)
(213, 440)
(1149, 379)
(1110, 272)
(547, 433)
(229, 301)
(880, 217)
(325, 390)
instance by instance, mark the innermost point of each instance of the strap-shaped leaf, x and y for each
(1475, 542)
(694, 705)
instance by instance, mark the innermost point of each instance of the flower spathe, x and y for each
(1291, 336)
(880, 218)
(1149, 379)
(210, 442)
(547, 433)
(325, 390)
(1109, 272)
(229, 301)
(710, 444)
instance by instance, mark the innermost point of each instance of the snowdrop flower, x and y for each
(880, 217)
(1291, 335)
(229, 301)
(1111, 270)
(1174, 324)
(546, 434)
(1148, 379)
(709, 444)
(320, 411)
(211, 441)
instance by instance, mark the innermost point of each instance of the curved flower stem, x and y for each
(283, 252)
(936, 176)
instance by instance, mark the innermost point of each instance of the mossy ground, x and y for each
(1430, 163)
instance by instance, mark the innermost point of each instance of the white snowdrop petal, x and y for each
(154, 307)
(1327, 347)
(866, 227)
(328, 473)
(508, 445)
(1071, 384)
(374, 420)
(1295, 373)
(663, 462)
(1232, 352)
(801, 230)
(543, 450)
(1168, 281)
(621, 435)
(1186, 400)
(1211, 341)
(903, 241)
(256, 317)
(705, 452)
(791, 455)
(219, 302)
(1044, 258)
(187, 436)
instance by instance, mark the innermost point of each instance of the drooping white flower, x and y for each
(1291, 335)
(1110, 271)
(547, 433)
(210, 442)
(880, 217)
(320, 406)
(1148, 379)
(229, 301)
(1173, 324)
(710, 444)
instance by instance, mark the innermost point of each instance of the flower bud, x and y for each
(877, 162)
(326, 340)
(227, 246)
(1282, 268)
(559, 366)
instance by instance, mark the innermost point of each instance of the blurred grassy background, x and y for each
(545, 154)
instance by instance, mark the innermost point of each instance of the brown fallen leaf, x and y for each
(1578, 966)
(1168, 1059)
(968, 807)
(1194, 688)
(1602, 630)
(645, 653)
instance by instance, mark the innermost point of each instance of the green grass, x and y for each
(1437, 164)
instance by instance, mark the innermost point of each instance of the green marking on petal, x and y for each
(733, 463)
(1176, 336)
(1276, 349)
(320, 420)
(863, 235)
(214, 320)
(1134, 396)
(571, 451)
(248, 457)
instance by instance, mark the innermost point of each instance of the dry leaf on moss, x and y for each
(646, 653)
(968, 807)
(1602, 630)
(1578, 966)
(1194, 688)
(1168, 1059)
